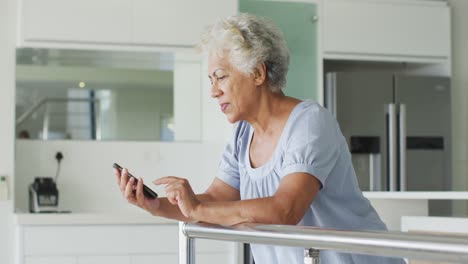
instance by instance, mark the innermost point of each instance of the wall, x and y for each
(7, 85)
(7, 232)
(460, 99)
(7, 106)
(301, 39)
(187, 97)
(86, 182)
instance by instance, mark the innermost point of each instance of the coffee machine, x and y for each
(43, 195)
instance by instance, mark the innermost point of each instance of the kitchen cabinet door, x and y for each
(71, 21)
(176, 22)
(153, 259)
(204, 258)
(299, 23)
(404, 29)
(104, 259)
(76, 240)
(50, 260)
(83, 244)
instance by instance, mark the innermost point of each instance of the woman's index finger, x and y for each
(165, 180)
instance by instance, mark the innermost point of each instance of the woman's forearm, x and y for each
(287, 206)
(263, 210)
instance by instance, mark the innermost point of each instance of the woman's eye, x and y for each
(221, 77)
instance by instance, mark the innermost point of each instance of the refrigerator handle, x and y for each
(392, 148)
(402, 147)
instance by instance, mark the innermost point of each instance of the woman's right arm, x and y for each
(218, 191)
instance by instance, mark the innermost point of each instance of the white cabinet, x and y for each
(117, 244)
(118, 22)
(176, 22)
(104, 259)
(153, 259)
(50, 260)
(80, 21)
(411, 29)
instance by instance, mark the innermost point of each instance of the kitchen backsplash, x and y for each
(86, 181)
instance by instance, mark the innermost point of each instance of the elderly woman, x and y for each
(287, 163)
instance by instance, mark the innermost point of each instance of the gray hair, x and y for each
(248, 41)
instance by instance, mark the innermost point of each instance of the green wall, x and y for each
(296, 20)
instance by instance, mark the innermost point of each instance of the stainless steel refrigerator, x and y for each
(398, 128)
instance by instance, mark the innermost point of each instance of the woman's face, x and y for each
(235, 90)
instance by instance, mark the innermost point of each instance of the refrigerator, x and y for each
(398, 128)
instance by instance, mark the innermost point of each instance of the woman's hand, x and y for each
(133, 192)
(180, 193)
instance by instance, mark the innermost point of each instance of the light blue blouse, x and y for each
(311, 142)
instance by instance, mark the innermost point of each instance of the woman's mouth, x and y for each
(223, 107)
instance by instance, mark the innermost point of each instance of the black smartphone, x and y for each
(146, 190)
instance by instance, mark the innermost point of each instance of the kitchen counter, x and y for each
(418, 195)
(455, 225)
(387, 203)
(90, 219)
(392, 206)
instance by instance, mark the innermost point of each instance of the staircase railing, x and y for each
(393, 244)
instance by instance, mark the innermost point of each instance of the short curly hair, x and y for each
(248, 40)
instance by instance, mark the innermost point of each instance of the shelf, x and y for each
(418, 195)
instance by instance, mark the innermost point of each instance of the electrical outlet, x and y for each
(59, 156)
(4, 188)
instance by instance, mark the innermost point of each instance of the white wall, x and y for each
(86, 182)
(460, 98)
(7, 85)
(7, 106)
(7, 232)
(187, 97)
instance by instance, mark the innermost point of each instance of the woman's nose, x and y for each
(215, 91)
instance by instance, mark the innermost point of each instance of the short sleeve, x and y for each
(313, 146)
(229, 164)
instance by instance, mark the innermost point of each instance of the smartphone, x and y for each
(147, 192)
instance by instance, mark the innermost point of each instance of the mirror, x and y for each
(103, 95)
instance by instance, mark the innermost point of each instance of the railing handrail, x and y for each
(393, 244)
(44, 101)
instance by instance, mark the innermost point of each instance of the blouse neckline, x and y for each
(268, 166)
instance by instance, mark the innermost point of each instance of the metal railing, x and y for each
(46, 120)
(379, 243)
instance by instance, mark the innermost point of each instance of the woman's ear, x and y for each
(260, 74)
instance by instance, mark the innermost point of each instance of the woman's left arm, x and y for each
(287, 206)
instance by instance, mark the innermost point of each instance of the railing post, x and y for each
(311, 256)
(186, 247)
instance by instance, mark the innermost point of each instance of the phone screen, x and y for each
(146, 190)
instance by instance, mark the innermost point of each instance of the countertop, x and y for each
(418, 195)
(145, 218)
(455, 225)
(89, 219)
